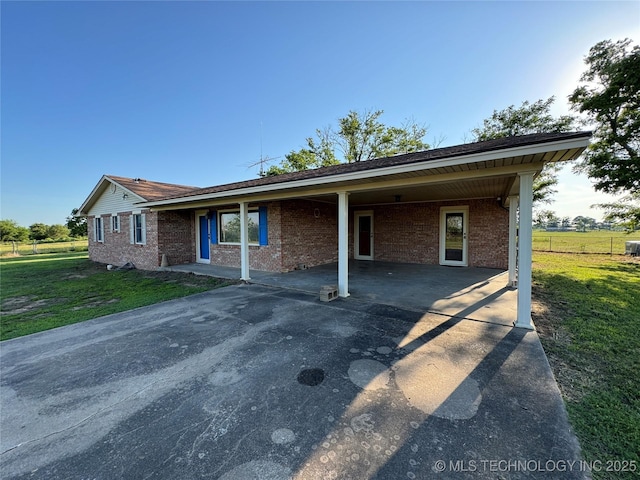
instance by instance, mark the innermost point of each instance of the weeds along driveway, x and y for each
(253, 382)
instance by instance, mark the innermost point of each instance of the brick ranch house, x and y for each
(454, 206)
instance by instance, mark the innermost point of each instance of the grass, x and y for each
(26, 248)
(582, 242)
(40, 292)
(587, 311)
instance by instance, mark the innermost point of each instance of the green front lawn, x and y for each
(587, 311)
(39, 292)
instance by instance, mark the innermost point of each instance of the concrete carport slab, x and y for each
(475, 293)
(255, 382)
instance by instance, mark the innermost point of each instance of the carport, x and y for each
(471, 184)
(462, 185)
(479, 294)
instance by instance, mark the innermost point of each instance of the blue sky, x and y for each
(191, 92)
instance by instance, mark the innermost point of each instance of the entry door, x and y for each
(363, 235)
(203, 238)
(454, 226)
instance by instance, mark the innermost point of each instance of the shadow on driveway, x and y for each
(208, 387)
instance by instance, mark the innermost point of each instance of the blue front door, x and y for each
(204, 237)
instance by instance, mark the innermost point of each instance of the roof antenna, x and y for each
(263, 159)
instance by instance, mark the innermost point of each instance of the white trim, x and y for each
(132, 229)
(343, 244)
(385, 171)
(100, 188)
(117, 220)
(356, 235)
(244, 242)
(513, 241)
(524, 251)
(98, 232)
(236, 210)
(199, 259)
(464, 210)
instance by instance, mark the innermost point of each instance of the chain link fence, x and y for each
(31, 247)
(582, 244)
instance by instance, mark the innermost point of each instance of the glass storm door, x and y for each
(363, 228)
(453, 236)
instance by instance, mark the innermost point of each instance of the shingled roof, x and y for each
(403, 159)
(151, 191)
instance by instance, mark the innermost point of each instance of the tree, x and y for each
(584, 223)
(360, 137)
(610, 97)
(363, 137)
(57, 232)
(526, 119)
(10, 231)
(38, 231)
(77, 225)
(545, 218)
(626, 211)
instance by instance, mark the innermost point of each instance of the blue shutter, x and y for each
(263, 228)
(213, 232)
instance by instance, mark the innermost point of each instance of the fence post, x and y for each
(35, 246)
(550, 243)
(611, 249)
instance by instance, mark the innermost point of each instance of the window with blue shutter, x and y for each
(263, 229)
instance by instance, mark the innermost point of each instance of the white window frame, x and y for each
(143, 229)
(464, 209)
(236, 211)
(115, 224)
(98, 230)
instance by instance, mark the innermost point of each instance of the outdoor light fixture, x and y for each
(125, 196)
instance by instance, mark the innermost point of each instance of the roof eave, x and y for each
(566, 144)
(97, 191)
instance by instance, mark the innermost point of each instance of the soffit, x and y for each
(470, 172)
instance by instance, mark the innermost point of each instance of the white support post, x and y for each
(524, 250)
(244, 242)
(343, 244)
(513, 241)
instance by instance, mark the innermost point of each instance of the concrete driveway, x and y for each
(257, 382)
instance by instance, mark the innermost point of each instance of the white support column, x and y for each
(244, 242)
(513, 240)
(343, 244)
(524, 250)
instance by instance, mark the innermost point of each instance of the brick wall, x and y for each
(410, 233)
(117, 248)
(176, 237)
(406, 233)
(261, 257)
(488, 234)
(309, 233)
(306, 232)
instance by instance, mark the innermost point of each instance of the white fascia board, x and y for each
(383, 171)
(98, 190)
(91, 198)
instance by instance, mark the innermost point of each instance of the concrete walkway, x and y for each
(256, 382)
(474, 293)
